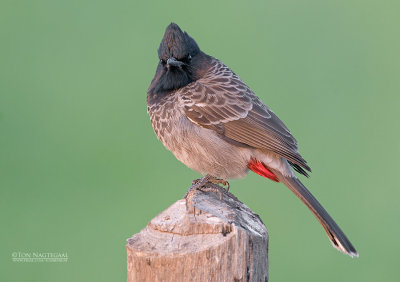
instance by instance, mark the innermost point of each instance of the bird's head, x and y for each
(179, 61)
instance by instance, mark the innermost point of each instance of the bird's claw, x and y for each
(220, 181)
(196, 181)
(200, 184)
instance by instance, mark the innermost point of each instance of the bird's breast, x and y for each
(199, 148)
(164, 116)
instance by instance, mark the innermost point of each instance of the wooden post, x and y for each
(202, 238)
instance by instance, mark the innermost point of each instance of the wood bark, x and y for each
(207, 237)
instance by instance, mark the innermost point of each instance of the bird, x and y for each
(215, 124)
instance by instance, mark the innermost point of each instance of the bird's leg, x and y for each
(200, 184)
(214, 180)
(219, 181)
(197, 184)
(196, 181)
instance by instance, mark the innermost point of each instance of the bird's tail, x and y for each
(335, 234)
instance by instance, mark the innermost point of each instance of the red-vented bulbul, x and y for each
(212, 122)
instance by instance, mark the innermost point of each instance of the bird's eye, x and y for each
(162, 62)
(187, 59)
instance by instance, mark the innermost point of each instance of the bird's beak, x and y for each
(174, 62)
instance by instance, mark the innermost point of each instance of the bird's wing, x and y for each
(222, 102)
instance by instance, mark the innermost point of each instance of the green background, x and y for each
(81, 169)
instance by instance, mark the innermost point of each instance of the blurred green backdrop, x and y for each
(81, 169)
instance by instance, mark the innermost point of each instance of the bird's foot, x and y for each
(220, 181)
(200, 184)
(214, 180)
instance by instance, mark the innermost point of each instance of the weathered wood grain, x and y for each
(203, 239)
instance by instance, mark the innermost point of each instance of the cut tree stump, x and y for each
(202, 238)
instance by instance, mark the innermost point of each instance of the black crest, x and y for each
(177, 44)
(178, 54)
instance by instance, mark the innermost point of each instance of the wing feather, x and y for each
(222, 102)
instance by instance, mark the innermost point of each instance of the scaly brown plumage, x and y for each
(214, 123)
